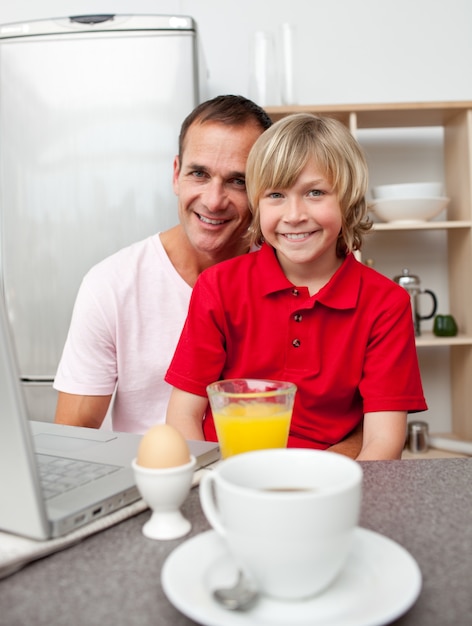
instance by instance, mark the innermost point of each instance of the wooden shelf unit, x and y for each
(456, 119)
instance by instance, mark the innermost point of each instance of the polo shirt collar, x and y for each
(341, 292)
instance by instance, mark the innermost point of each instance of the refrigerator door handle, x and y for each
(91, 19)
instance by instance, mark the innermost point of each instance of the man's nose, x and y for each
(215, 197)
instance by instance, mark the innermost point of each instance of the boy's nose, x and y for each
(295, 210)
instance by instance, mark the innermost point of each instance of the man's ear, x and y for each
(175, 175)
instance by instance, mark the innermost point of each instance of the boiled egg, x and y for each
(163, 446)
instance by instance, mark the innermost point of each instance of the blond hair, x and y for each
(280, 154)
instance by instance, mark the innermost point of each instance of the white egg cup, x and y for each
(164, 491)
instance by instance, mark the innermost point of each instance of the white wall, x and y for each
(347, 51)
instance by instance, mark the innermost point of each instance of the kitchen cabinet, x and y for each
(455, 118)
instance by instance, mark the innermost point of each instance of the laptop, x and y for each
(29, 506)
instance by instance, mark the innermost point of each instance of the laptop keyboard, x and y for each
(59, 474)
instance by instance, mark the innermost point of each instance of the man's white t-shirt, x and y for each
(127, 320)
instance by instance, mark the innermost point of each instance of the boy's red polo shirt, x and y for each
(350, 348)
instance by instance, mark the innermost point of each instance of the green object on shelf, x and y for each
(445, 326)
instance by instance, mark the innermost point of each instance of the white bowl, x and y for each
(408, 190)
(408, 209)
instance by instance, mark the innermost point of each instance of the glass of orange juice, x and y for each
(251, 414)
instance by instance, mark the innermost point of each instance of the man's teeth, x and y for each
(206, 220)
(296, 235)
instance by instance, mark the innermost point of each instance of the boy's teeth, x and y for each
(296, 235)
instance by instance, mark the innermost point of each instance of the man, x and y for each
(131, 307)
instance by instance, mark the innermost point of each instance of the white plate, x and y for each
(407, 210)
(379, 583)
(408, 190)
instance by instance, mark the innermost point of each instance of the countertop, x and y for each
(113, 578)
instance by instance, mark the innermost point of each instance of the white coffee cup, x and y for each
(287, 516)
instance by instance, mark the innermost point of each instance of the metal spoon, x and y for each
(237, 598)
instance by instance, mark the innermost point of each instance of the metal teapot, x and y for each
(412, 284)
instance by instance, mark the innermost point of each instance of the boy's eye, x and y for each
(274, 194)
(315, 192)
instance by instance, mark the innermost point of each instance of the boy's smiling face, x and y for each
(303, 223)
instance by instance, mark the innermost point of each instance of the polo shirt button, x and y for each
(296, 343)
(297, 317)
(295, 292)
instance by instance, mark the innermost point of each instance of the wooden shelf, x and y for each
(389, 115)
(431, 453)
(456, 120)
(443, 225)
(427, 339)
(441, 445)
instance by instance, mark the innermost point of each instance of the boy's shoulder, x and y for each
(234, 265)
(381, 283)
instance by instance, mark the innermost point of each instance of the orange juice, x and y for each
(251, 426)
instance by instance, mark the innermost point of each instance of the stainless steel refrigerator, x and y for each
(90, 111)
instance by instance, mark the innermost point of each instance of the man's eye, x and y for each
(198, 174)
(239, 182)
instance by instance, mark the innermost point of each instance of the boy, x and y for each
(303, 308)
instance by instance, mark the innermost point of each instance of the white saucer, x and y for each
(380, 582)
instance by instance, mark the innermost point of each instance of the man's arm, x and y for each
(185, 412)
(78, 410)
(350, 445)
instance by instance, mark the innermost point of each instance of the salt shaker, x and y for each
(418, 436)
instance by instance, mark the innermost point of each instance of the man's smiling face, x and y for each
(210, 184)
